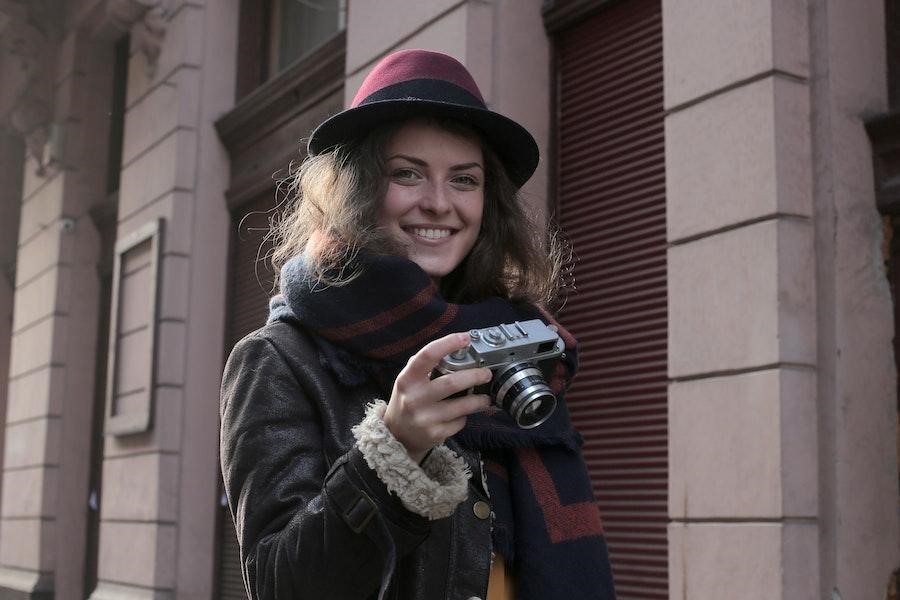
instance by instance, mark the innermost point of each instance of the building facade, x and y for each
(726, 173)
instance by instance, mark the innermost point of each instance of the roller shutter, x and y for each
(611, 206)
(251, 286)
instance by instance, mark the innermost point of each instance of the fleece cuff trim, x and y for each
(432, 490)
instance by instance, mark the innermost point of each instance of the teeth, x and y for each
(431, 234)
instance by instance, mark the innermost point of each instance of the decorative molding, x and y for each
(136, 266)
(28, 34)
(145, 20)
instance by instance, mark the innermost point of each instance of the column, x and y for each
(54, 333)
(743, 497)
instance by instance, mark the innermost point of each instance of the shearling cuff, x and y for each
(433, 490)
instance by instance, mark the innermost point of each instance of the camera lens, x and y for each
(521, 390)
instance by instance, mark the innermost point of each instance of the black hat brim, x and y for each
(513, 143)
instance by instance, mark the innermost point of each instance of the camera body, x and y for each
(522, 356)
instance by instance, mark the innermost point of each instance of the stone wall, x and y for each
(159, 493)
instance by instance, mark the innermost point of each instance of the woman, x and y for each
(351, 470)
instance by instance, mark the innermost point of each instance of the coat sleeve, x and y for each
(305, 530)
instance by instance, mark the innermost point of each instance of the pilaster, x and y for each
(782, 394)
(54, 327)
(742, 302)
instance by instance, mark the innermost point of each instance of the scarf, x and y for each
(546, 524)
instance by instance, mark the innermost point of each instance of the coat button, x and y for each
(481, 509)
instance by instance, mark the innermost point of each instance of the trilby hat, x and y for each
(412, 83)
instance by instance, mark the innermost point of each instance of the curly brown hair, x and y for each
(332, 214)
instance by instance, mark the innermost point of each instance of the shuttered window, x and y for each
(252, 276)
(251, 286)
(611, 206)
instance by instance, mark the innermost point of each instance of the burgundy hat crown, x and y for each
(409, 67)
(411, 83)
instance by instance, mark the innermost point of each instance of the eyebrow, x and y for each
(422, 163)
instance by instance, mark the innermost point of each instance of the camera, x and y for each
(522, 356)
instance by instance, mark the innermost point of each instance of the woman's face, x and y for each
(435, 195)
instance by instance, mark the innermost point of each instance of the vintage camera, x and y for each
(523, 356)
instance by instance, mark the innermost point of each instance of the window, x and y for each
(299, 26)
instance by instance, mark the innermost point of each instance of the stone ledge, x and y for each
(19, 584)
(115, 591)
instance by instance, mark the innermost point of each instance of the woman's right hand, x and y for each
(420, 413)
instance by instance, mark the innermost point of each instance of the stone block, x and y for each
(40, 253)
(740, 156)
(32, 182)
(32, 443)
(165, 432)
(174, 288)
(712, 44)
(30, 492)
(171, 353)
(36, 394)
(743, 446)
(799, 443)
(743, 561)
(137, 553)
(41, 209)
(26, 543)
(140, 487)
(38, 299)
(40, 345)
(156, 115)
(742, 299)
(175, 210)
(163, 169)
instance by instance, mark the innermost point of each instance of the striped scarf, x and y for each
(546, 523)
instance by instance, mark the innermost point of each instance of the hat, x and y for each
(412, 83)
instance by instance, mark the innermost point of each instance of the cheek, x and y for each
(475, 214)
(391, 208)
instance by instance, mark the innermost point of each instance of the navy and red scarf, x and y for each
(546, 523)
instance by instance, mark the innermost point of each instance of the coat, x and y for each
(313, 517)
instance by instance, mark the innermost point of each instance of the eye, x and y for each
(467, 181)
(405, 175)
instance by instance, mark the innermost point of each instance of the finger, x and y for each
(452, 383)
(425, 360)
(450, 428)
(454, 409)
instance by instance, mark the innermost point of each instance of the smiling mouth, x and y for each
(429, 233)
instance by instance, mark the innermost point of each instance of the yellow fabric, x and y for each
(501, 584)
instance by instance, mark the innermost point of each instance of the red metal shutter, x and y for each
(251, 267)
(611, 194)
(251, 286)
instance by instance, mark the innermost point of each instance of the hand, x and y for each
(420, 414)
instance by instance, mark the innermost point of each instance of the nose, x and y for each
(435, 199)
